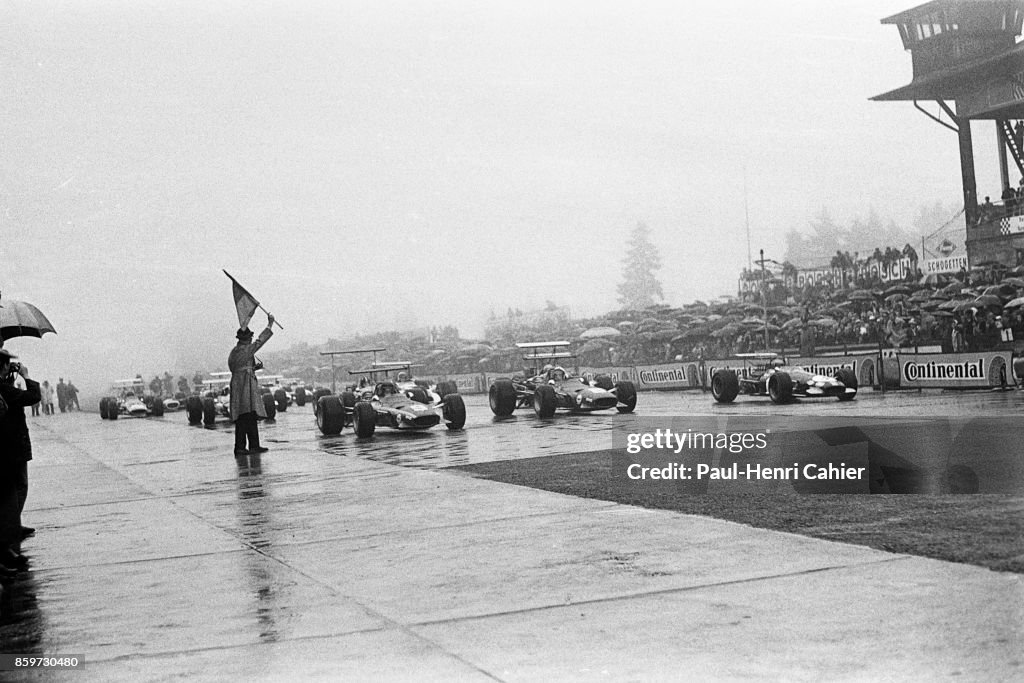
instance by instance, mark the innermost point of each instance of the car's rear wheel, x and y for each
(725, 386)
(849, 380)
(157, 409)
(780, 387)
(113, 409)
(502, 397)
(209, 411)
(281, 399)
(544, 401)
(270, 406)
(103, 407)
(454, 411)
(300, 396)
(330, 415)
(626, 393)
(194, 410)
(365, 419)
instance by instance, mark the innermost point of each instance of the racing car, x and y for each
(129, 397)
(405, 404)
(766, 374)
(554, 388)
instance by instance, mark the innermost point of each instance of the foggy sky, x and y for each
(364, 165)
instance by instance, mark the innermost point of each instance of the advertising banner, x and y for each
(951, 264)
(617, 373)
(473, 383)
(955, 370)
(668, 376)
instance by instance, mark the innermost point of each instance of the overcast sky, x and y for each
(367, 165)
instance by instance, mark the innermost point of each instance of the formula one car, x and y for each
(765, 374)
(405, 405)
(555, 389)
(129, 397)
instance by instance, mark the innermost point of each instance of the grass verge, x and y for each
(984, 530)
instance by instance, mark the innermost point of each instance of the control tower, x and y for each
(967, 52)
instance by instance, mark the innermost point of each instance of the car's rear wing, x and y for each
(385, 368)
(757, 354)
(542, 345)
(550, 356)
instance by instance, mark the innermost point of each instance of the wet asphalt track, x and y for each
(523, 435)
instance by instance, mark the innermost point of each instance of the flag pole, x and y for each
(258, 304)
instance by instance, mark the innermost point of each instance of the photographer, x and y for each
(15, 452)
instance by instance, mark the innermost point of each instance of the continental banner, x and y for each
(684, 375)
(955, 370)
(617, 373)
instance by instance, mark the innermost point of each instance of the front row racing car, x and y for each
(554, 388)
(780, 382)
(404, 405)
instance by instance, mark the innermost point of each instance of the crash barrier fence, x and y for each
(894, 368)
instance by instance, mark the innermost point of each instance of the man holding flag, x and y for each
(246, 399)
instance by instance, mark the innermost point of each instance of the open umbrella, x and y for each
(988, 300)
(791, 323)
(595, 332)
(1016, 303)
(898, 289)
(1014, 282)
(21, 319)
(861, 295)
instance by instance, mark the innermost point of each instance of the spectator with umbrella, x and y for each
(17, 319)
(15, 452)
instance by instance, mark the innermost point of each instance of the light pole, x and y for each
(764, 298)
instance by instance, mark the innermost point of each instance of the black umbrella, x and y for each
(22, 319)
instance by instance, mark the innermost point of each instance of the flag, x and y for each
(245, 303)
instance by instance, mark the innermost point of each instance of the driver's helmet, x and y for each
(386, 389)
(776, 363)
(546, 369)
(557, 374)
(403, 377)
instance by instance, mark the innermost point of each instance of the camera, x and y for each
(15, 367)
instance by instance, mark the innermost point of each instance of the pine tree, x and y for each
(639, 285)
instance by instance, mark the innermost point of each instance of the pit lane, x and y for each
(523, 435)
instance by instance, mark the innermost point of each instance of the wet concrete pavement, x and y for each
(159, 556)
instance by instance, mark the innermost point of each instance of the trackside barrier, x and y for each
(955, 370)
(473, 383)
(685, 375)
(617, 373)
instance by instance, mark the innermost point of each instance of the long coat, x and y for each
(245, 390)
(15, 445)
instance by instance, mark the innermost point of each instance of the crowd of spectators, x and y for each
(865, 308)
